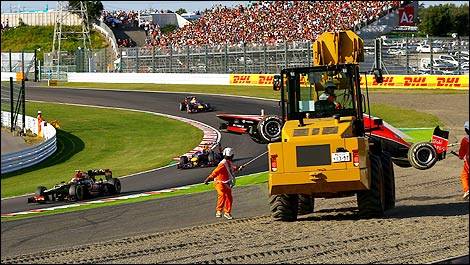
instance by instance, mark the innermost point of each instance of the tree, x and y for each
(94, 8)
(442, 20)
(180, 11)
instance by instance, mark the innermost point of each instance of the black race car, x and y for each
(191, 104)
(203, 158)
(82, 186)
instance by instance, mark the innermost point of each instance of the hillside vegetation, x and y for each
(28, 38)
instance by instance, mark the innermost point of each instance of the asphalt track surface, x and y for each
(429, 224)
(166, 103)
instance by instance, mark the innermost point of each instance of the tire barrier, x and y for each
(33, 155)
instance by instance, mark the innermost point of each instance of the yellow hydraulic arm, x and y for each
(342, 47)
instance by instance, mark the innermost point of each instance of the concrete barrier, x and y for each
(33, 155)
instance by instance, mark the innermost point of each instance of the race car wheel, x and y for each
(115, 187)
(422, 155)
(77, 192)
(182, 107)
(270, 128)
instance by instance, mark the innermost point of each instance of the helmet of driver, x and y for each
(228, 152)
(465, 126)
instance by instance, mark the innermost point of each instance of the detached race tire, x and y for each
(422, 155)
(306, 204)
(284, 207)
(269, 129)
(371, 203)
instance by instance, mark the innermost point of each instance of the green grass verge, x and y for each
(29, 38)
(124, 141)
(404, 118)
(418, 135)
(247, 180)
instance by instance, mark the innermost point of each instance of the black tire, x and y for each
(284, 207)
(371, 203)
(77, 192)
(114, 186)
(306, 204)
(422, 155)
(182, 106)
(183, 160)
(255, 136)
(389, 181)
(270, 128)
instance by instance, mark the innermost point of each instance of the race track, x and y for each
(430, 221)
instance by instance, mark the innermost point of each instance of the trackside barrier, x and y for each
(33, 155)
(458, 82)
(152, 78)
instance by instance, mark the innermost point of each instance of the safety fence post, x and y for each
(153, 59)
(206, 58)
(285, 54)
(187, 58)
(120, 61)
(171, 58)
(22, 65)
(407, 56)
(265, 59)
(309, 49)
(35, 66)
(23, 103)
(9, 60)
(11, 104)
(137, 59)
(459, 62)
(226, 58)
(431, 54)
(244, 58)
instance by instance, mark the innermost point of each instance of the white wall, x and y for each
(152, 78)
(6, 76)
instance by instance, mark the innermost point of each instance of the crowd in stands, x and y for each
(268, 22)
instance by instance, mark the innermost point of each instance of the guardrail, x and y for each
(33, 155)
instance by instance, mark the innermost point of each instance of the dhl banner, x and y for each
(389, 81)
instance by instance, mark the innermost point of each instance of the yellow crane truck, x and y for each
(325, 150)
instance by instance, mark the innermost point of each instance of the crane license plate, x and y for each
(340, 157)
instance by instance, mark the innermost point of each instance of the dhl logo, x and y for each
(241, 79)
(415, 81)
(387, 81)
(265, 80)
(448, 82)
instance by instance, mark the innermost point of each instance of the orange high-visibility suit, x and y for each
(221, 177)
(464, 154)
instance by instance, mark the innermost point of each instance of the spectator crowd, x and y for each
(268, 22)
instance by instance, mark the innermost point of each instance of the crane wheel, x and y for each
(306, 204)
(284, 207)
(389, 181)
(371, 202)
